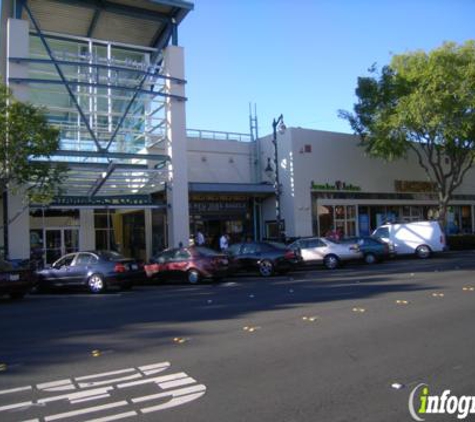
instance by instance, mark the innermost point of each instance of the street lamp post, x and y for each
(277, 125)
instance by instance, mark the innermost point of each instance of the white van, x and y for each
(422, 238)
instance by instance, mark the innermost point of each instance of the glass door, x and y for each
(60, 241)
(53, 249)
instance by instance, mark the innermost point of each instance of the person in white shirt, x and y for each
(223, 242)
(200, 238)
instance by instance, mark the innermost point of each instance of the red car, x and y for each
(193, 264)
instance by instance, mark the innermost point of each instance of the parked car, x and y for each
(95, 270)
(421, 238)
(373, 249)
(193, 264)
(318, 250)
(267, 258)
(16, 280)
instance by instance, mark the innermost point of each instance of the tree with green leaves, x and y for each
(26, 142)
(424, 103)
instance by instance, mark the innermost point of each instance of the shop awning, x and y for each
(263, 189)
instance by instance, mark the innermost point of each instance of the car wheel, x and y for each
(370, 258)
(266, 268)
(423, 251)
(17, 295)
(193, 276)
(96, 284)
(331, 262)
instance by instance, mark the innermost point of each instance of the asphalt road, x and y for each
(316, 345)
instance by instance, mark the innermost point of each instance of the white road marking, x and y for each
(155, 368)
(53, 384)
(86, 411)
(156, 380)
(114, 417)
(15, 390)
(82, 400)
(98, 392)
(105, 374)
(16, 406)
(177, 401)
(175, 389)
(177, 383)
(97, 383)
(180, 392)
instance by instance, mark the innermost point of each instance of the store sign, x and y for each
(221, 206)
(135, 200)
(338, 185)
(414, 186)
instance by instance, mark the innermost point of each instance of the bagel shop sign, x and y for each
(200, 207)
(338, 185)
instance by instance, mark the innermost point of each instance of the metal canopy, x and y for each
(150, 23)
(97, 177)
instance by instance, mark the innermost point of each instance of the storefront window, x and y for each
(459, 219)
(339, 218)
(325, 219)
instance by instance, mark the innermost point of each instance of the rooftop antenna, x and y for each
(253, 123)
(253, 126)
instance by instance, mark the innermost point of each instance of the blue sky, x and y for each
(302, 57)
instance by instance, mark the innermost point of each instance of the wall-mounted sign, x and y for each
(135, 200)
(218, 206)
(338, 185)
(414, 186)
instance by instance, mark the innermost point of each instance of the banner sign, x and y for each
(71, 201)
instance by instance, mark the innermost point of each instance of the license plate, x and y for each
(135, 266)
(14, 277)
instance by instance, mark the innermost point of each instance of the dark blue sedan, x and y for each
(96, 270)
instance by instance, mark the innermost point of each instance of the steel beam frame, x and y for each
(61, 75)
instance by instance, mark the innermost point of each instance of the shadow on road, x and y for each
(50, 329)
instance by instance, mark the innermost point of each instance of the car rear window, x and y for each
(110, 255)
(277, 245)
(202, 250)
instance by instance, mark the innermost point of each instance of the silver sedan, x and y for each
(317, 250)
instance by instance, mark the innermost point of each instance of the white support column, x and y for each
(17, 46)
(148, 234)
(177, 186)
(87, 233)
(18, 226)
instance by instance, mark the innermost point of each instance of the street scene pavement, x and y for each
(313, 345)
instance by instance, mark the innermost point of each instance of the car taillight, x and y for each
(120, 268)
(289, 254)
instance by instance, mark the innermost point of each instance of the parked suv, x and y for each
(421, 238)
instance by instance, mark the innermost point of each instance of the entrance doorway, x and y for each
(60, 241)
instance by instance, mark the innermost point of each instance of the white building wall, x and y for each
(219, 161)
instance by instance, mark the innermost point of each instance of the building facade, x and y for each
(112, 77)
(328, 182)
